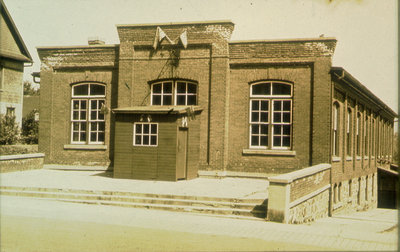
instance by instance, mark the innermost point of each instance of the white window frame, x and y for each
(174, 93)
(271, 124)
(335, 135)
(145, 134)
(88, 98)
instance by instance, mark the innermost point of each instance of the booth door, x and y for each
(181, 155)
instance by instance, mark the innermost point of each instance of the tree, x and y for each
(9, 130)
(30, 128)
(29, 90)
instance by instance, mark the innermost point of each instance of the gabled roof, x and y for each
(23, 54)
(340, 73)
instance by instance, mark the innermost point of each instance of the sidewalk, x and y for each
(241, 188)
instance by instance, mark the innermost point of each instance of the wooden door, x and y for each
(181, 154)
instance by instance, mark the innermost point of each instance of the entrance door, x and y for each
(181, 154)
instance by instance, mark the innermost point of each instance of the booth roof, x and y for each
(158, 109)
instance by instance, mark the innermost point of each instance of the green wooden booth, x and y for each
(157, 142)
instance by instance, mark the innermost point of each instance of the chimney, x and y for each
(95, 41)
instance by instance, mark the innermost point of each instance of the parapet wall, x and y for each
(300, 196)
(11, 163)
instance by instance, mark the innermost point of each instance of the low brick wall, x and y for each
(300, 196)
(11, 163)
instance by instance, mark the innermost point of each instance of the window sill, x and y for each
(358, 158)
(336, 159)
(366, 157)
(85, 147)
(349, 158)
(288, 153)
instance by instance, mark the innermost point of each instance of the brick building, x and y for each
(13, 55)
(267, 106)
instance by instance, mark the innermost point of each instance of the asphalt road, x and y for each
(40, 225)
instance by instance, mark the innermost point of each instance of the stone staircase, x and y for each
(229, 207)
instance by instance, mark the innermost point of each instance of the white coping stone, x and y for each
(289, 177)
(22, 156)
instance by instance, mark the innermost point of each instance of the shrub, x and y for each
(30, 128)
(9, 130)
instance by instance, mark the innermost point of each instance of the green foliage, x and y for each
(30, 128)
(29, 90)
(9, 130)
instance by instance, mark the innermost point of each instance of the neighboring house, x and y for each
(179, 99)
(13, 55)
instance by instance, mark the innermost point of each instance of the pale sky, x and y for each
(366, 30)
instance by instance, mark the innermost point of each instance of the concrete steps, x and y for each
(197, 204)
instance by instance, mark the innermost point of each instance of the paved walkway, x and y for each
(96, 180)
(372, 230)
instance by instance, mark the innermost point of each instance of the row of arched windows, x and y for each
(270, 117)
(360, 133)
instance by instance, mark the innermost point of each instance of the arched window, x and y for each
(349, 128)
(270, 115)
(335, 128)
(358, 134)
(87, 119)
(373, 137)
(366, 136)
(174, 92)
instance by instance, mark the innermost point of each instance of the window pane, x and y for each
(93, 104)
(97, 89)
(75, 104)
(154, 129)
(277, 117)
(101, 136)
(264, 117)
(167, 88)
(264, 105)
(264, 129)
(75, 137)
(255, 129)
(277, 129)
(81, 90)
(286, 141)
(93, 126)
(145, 140)
(100, 116)
(153, 140)
(254, 140)
(157, 89)
(286, 105)
(101, 126)
(146, 128)
(138, 128)
(156, 99)
(83, 115)
(83, 126)
(277, 141)
(191, 100)
(83, 104)
(138, 140)
(75, 126)
(255, 105)
(264, 141)
(277, 105)
(192, 88)
(181, 87)
(281, 89)
(167, 100)
(180, 100)
(93, 137)
(286, 129)
(93, 115)
(286, 117)
(254, 117)
(83, 137)
(261, 89)
(75, 115)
